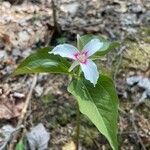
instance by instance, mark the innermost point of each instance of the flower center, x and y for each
(81, 57)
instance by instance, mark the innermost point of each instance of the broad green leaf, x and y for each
(99, 104)
(107, 46)
(41, 61)
(20, 145)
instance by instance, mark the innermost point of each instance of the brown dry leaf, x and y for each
(9, 110)
(69, 146)
(5, 38)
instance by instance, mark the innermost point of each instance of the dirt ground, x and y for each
(26, 26)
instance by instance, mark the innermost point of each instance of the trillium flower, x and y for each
(81, 57)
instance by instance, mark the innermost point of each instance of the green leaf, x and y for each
(41, 61)
(80, 43)
(20, 145)
(99, 104)
(107, 46)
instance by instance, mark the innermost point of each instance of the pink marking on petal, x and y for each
(81, 57)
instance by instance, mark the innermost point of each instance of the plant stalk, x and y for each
(78, 127)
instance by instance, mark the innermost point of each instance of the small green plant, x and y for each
(95, 92)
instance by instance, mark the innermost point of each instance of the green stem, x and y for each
(78, 127)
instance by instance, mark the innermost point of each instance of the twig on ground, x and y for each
(121, 50)
(120, 56)
(94, 141)
(132, 119)
(136, 130)
(56, 25)
(22, 116)
(111, 34)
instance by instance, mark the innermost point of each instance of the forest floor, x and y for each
(27, 26)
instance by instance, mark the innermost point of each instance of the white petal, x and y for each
(92, 47)
(90, 71)
(65, 50)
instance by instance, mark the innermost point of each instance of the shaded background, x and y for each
(28, 25)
